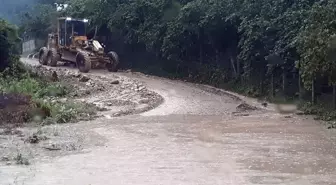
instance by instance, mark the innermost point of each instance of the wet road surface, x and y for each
(194, 139)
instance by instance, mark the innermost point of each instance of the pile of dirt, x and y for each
(116, 95)
(14, 108)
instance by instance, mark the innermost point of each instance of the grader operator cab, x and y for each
(70, 44)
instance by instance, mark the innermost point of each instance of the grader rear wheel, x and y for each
(114, 61)
(83, 62)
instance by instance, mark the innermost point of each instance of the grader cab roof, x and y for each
(72, 19)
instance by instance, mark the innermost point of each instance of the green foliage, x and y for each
(8, 46)
(44, 95)
(34, 87)
(63, 112)
(40, 21)
(214, 41)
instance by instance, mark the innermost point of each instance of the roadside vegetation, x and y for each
(282, 50)
(28, 97)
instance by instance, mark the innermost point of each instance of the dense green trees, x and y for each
(273, 46)
(8, 45)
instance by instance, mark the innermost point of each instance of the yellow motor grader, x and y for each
(70, 44)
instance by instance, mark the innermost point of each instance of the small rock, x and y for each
(101, 108)
(33, 139)
(145, 101)
(76, 75)
(108, 116)
(5, 158)
(288, 116)
(141, 88)
(117, 114)
(8, 163)
(84, 79)
(264, 104)
(90, 83)
(52, 147)
(54, 76)
(63, 100)
(245, 107)
(300, 113)
(115, 82)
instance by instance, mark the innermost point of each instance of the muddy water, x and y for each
(192, 138)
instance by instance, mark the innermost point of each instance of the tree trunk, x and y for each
(233, 66)
(238, 68)
(334, 96)
(261, 85)
(201, 49)
(272, 85)
(284, 81)
(217, 56)
(300, 87)
(313, 92)
(201, 59)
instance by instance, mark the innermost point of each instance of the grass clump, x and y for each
(41, 100)
(21, 160)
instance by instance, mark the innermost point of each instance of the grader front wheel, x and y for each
(52, 57)
(83, 62)
(43, 56)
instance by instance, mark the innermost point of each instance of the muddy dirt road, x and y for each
(193, 137)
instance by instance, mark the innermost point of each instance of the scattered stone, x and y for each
(63, 100)
(115, 82)
(33, 139)
(300, 113)
(144, 101)
(141, 88)
(5, 158)
(48, 121)
(77, 75)
(54, 76)
(117, 114)
(245, 107)
(84, 79)
(240, 114)
(288, 116)
(100, 88)
(11, 131)
(90, 83)
(52, 147)
(264, 104)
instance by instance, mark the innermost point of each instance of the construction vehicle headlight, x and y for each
(85, 20)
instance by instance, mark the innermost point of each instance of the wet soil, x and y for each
(194, 137)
